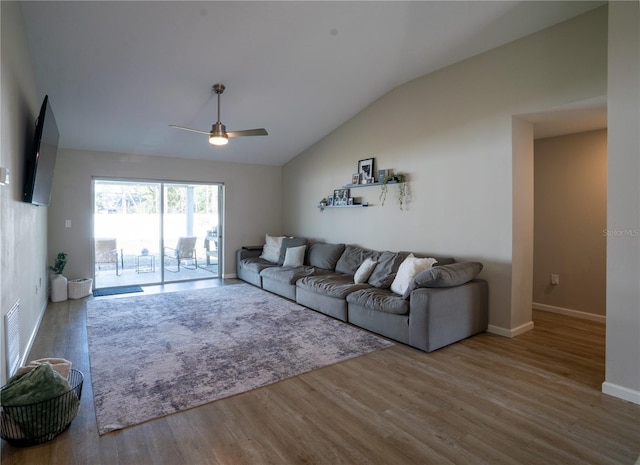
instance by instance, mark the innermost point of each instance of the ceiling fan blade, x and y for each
(189, 129)
(248, 132)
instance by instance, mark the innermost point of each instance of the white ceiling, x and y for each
(118, 73)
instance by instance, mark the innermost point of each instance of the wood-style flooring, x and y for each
(534, 399)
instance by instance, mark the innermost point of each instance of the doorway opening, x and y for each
(150, 232)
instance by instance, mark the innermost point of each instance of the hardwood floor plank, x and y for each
(533, 399)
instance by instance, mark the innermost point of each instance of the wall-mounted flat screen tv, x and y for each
(41, 160)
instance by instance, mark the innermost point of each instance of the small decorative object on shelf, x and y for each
(355, 178)
(323, 203)
(397, 178)
(340, 197)
(365, 170)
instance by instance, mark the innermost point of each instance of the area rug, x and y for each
(117, 290)
(163, 353)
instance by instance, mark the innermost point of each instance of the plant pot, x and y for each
(58, 288)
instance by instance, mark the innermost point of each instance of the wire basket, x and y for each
(27, 425)
(79, 288)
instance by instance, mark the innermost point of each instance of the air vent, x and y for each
(12, 328)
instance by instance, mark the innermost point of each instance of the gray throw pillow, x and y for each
(352, 257)
(455, 274)
(290, 242)
(385, 272)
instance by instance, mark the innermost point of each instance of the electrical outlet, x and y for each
(555, 279)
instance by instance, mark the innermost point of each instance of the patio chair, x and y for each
(184, 253)
(106, 252)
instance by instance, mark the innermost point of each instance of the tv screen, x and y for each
(41, 160)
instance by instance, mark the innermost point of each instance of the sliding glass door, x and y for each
(149, 232)
(191, 231)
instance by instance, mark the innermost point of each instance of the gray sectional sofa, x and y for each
(442, 305)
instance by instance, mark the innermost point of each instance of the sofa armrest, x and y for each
(442, 316)
(243, 253)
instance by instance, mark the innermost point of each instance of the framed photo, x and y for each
(365, 169)
(340, 197)
(330, 201)
(350, 202)
(355, 179)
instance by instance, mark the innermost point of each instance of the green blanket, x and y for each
(39, 385)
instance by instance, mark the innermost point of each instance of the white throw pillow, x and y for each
(364, 271)
(408, 270)
(294, 256)
(271, 249)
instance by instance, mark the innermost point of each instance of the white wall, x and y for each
(251, 193)
(452, 133)
(23, 227)
(623, 203)
(570, 220)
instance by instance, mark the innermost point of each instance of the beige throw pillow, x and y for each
(408, 270)
(364, 271)
(271, 249)
(294, 256)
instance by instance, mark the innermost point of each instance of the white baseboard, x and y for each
(513, 332)
(621, 392)
(569, 312)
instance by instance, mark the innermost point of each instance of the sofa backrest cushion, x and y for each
(441, 260)
(352, 257)
(323, 255)
(288, 242)
(385, 272)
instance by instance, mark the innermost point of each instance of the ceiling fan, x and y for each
(219, 134)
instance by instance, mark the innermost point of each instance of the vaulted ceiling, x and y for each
(118, 73)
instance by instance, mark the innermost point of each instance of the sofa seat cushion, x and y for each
(287, 275)
(381, 300)
(333, 285)
(255, 264)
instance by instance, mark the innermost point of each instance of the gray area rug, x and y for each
(159, 354)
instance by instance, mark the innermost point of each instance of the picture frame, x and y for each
(350, 201)
(340, 197)
(365, 169)
(355, 178)
(330, 201)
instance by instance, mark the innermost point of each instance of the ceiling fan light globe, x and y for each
(218, 134)
(218, 140)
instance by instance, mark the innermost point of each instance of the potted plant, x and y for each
(59, 282)
(397, 178)
(323, 203)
